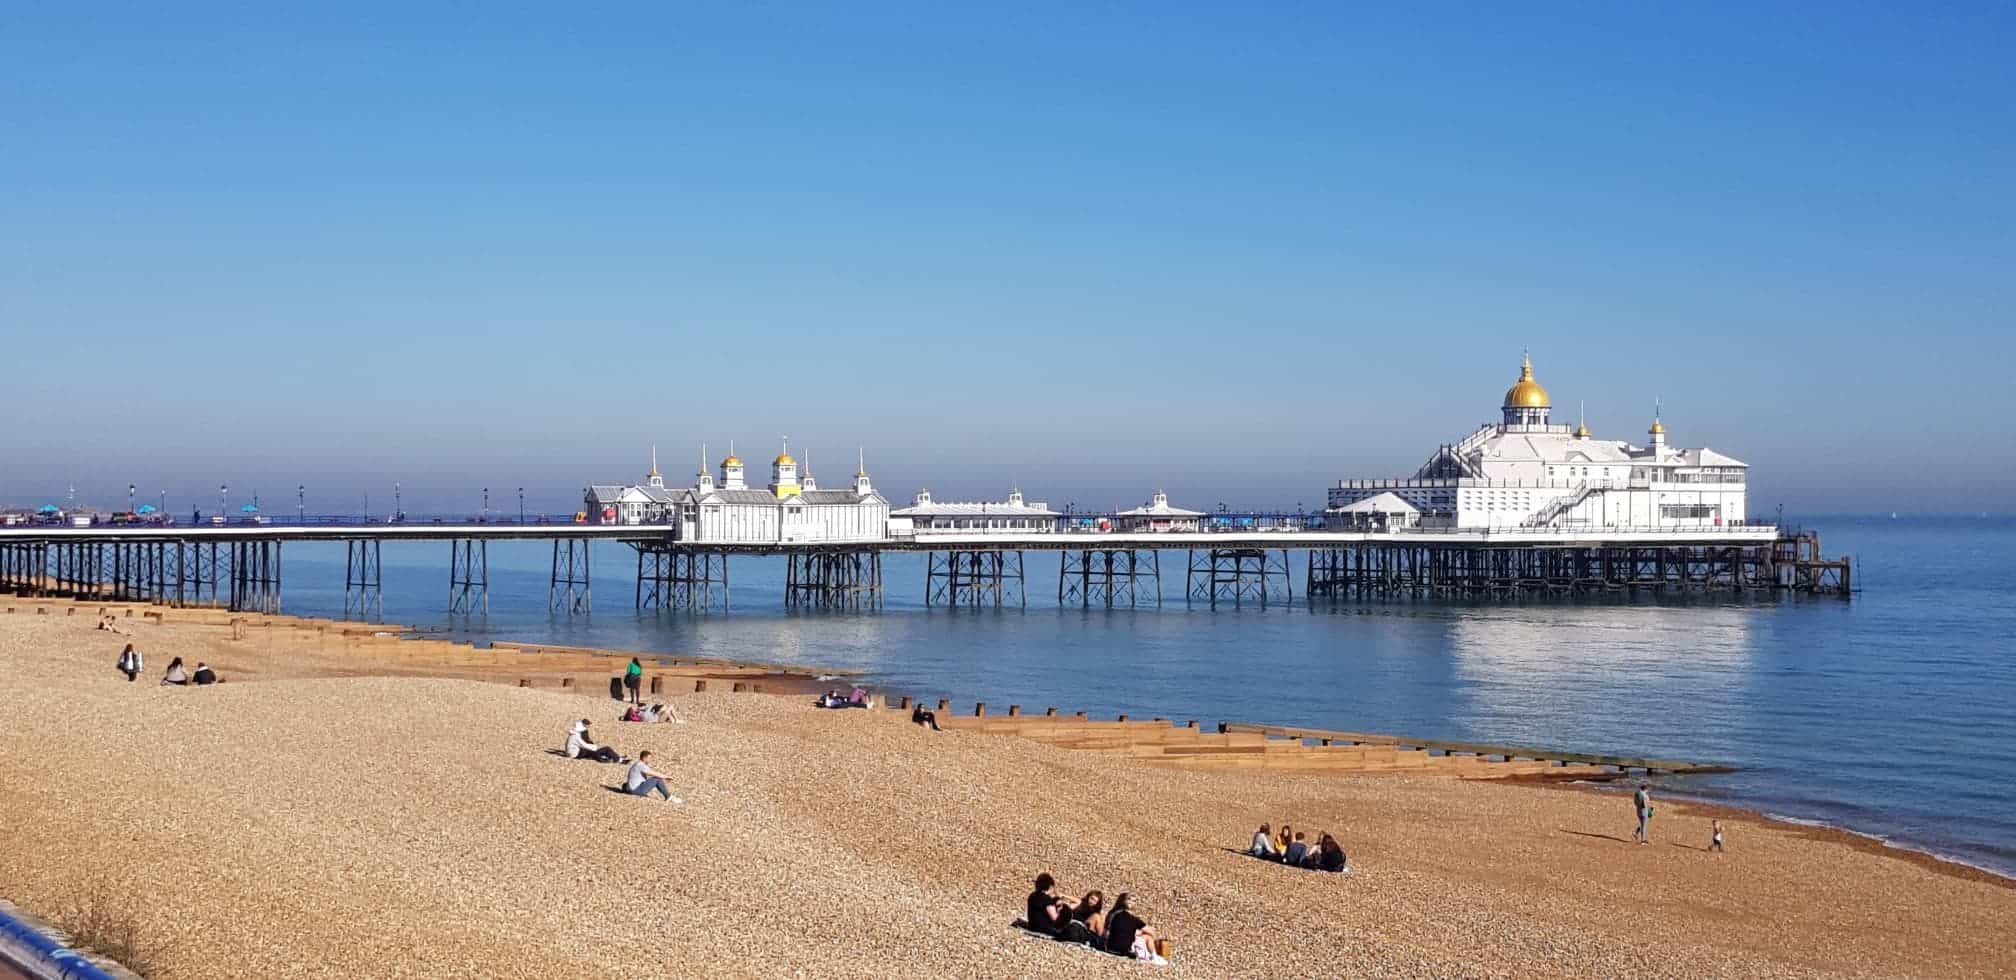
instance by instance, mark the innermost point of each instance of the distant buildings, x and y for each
(1157, 517)
(1013, 515)
(1525, 471)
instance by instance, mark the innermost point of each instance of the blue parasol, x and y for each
(145, 509)
(249, 509)
(46, 509)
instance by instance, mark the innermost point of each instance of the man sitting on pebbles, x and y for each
(643, 779)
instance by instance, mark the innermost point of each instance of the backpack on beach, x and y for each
(616, 688)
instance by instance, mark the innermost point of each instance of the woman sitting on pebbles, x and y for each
(1330, 856)
(1263, 844)
(176, 675)
(1127, 935)
(580, 746)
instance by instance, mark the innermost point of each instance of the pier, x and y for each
(239, 567)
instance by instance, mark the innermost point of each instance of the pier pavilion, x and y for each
(1526, 471)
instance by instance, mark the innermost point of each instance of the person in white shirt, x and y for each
(175, 675)
(1263, 844)
(131, 663)
(580, 746)
(643, 779)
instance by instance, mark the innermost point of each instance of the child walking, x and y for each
(1715, 838)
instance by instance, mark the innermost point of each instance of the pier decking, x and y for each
(239, 567)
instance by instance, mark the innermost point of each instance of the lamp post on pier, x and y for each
(484, 518)
(130, 489)
(300, 503)
(164, 505)
(223, 490)
(521, 505)
(398, 511)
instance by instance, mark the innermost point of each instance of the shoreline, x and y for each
(801, 680)
(1735, 812)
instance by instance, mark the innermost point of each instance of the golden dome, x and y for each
(732, 460)
(1658, 428)
(784, 459)
(1582, 431)
(1525, 392)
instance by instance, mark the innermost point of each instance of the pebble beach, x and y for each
(305, 819)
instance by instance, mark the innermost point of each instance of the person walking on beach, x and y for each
(1641, 801)
(1715, 837)
(633, 679)
(643, 780)
(130, 663)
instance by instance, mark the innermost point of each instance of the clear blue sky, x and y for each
(1091, 249)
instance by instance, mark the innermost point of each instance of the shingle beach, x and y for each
(289, 823)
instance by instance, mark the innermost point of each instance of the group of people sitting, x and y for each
(1088, 921)
(857, 698)
(131, 663)
(1291, 848)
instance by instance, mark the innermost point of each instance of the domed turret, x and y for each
(1526, 402)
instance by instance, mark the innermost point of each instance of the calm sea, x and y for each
(1891, 714)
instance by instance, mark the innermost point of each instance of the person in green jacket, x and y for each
(633, 679)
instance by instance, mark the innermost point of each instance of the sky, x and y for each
(1234, 251)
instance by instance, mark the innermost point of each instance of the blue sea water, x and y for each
(1892, 713)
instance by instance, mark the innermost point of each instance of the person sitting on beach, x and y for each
(130, 663)
(580, 746)
(1282, 840)
(1051, 915)
(1127, 935)
(1263, 844)
(1330, 856)
(1091, 910)
(108, 624)
(175, 675)
(204, 675)
(642, 780)
(919, 716)
(1298, 852)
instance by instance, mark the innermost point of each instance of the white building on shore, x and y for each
(1526, 471)
(1013, 515)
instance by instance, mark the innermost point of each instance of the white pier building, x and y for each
(1524, 471)
(791, 510)
(1158, 517)
(1012, 516)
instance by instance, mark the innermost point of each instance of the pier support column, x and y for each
(469, 577)
(255, 576)
(1238, 576)
(670, 577)
(1108, 577)
(363, 580)
(974, 578)
(839, 579)
(567, 590)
